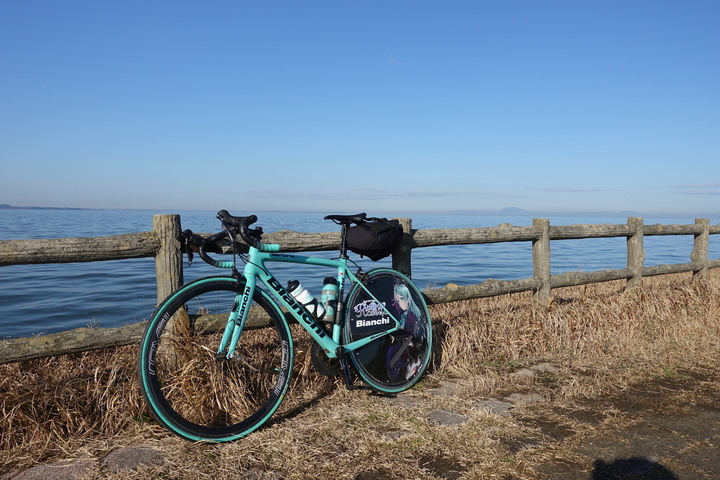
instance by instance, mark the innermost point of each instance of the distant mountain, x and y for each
(514, 211)
(519, 212)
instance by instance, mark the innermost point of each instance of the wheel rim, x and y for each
(198, 395)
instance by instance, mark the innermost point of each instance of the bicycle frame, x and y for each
(255, 270)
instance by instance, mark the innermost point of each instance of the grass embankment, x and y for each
(597, 337)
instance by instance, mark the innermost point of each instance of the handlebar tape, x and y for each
(207, 258)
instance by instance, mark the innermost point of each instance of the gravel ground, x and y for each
(663, 429)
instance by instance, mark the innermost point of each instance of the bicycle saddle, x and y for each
(347, 219)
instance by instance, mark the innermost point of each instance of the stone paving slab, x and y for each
(132, 457)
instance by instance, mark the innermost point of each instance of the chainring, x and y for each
(329, 367)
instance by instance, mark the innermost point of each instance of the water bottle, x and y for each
(302, 295)
(329, 297)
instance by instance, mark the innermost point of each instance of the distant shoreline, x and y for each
(503, 212)
(5, 206)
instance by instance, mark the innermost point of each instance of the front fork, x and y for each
(236, 320)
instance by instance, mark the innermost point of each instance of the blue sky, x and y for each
(342, 106)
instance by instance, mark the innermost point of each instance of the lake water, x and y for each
(37, 299)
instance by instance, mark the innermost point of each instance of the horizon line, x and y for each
(505, 211)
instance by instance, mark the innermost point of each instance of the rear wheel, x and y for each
(391, 363)
(197, 394)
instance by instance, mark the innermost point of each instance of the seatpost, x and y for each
(343, 243)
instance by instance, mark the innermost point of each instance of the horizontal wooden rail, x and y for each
(161, 243)
(82, 249)
(88, 338)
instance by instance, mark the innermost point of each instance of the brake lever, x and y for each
(191, 242)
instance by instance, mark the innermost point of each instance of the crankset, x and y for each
(329, 367)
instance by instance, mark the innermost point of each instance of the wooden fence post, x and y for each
(541, 259)
(168, 260)
(700, 253)
(401, 256)
(635, 253)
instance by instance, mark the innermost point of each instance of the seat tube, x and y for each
(340, 304)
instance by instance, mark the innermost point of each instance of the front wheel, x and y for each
(391, 363)
(202, 396)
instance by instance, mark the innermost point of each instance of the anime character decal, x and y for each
(403, 356)
(394, 358)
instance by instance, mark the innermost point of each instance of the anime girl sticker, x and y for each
(403, 355)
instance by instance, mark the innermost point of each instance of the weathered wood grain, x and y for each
(79, 249)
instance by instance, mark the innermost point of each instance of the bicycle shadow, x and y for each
(323, 392)
(635, 468)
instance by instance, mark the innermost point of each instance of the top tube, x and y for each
(234, 226)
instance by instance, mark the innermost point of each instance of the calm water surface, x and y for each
(38, 299)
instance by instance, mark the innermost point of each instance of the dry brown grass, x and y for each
(598, 337)
(670, 322)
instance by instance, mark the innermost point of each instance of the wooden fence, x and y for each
(161, 244)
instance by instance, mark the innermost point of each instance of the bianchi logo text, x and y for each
(372, 323)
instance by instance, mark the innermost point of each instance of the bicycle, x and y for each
(217, 355)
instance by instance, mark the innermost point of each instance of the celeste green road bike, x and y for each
(217, 355)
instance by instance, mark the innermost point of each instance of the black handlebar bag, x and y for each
(374, 238)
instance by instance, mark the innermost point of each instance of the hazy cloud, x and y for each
(572, 189)
(699, 189)
(369, 193)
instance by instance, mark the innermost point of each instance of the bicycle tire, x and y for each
(188, 389)
(392, 363)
